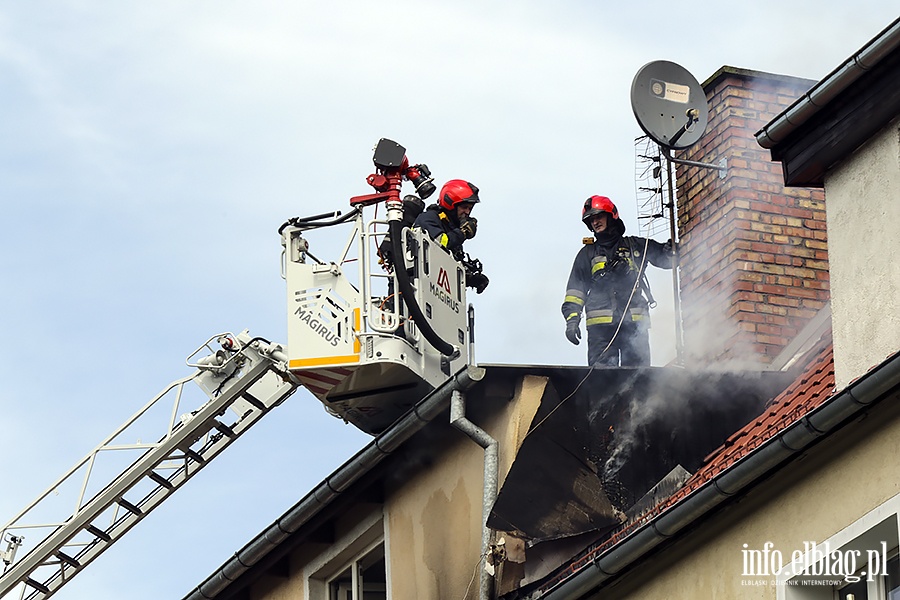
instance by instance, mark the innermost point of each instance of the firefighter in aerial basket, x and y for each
(609, 284)
(449, 223)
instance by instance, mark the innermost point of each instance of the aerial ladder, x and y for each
(369, 335)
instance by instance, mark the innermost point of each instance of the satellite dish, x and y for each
(669, 104)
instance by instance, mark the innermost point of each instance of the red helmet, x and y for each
(457, 191)
(596, 205)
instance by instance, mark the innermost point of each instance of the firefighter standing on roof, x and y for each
(450, 224)
(608, 283)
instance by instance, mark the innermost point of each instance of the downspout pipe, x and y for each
(825, 420)
(334, 485)
(491, 474)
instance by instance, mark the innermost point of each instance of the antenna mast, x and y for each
(670, 106)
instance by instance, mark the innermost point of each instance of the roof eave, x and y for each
(818, 424)
(809, 104)
(329, 490)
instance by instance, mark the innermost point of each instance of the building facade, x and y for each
(502, 482)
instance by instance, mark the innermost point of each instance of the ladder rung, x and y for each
(68, 560)
(129, 506)
(194, 456)
(38, 586)
(254, 401)
(225, 429)
(160, 480)
(98, 533)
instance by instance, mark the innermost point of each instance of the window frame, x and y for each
(350, 548)
(355, 565)
(880, 524)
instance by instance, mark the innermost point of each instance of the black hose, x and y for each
(311, 222)
(319, 217)
(409, 298)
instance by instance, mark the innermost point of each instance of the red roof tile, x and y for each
(807, 392)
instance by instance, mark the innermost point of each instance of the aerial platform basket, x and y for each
(351, 340)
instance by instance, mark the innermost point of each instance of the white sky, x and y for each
(149, 152)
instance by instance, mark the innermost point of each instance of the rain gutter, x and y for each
(798, 113)
(338, 482)
(776, 452)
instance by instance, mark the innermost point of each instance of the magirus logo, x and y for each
(443, 291)
(306, 316)
(444, 281)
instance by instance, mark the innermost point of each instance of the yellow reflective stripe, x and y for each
(639, 314)
(443, 240)
(599, 317)
(356, 345)
(598, 267)
(572, 316)
(575, 300)
(598, 320)
(574, 295)
(325, 360)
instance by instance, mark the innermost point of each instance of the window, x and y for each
(363, 579)
(861, 562)
(892, 589)
(353, 565)
(884, 586)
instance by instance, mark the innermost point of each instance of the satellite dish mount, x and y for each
(671, 108)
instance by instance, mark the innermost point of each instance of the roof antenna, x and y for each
(671, 108)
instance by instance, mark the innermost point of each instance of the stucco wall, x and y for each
(432, 527)
(431, 519)
(434, 522)
(276, 588)
(303, 576)
(863, 207)
(816, 496)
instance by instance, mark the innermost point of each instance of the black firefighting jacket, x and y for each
(605, 272)
(442, 227)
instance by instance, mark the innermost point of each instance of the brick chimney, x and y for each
(754, 258)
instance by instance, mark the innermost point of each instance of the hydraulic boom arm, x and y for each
(246, 375)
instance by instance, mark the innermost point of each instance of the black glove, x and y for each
(573, 332)
(669, 247)
(469, 228)
(479, 281)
